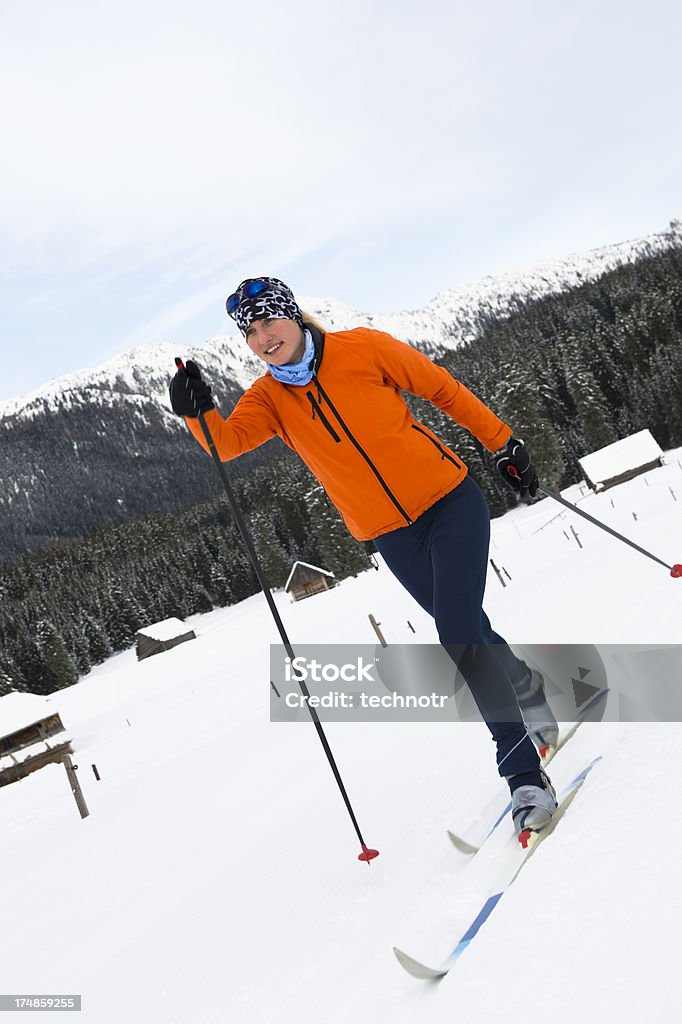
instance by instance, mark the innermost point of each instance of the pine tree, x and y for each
(591, 408)
(519, 401)
(57, 669)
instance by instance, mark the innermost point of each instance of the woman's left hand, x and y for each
(523, 477)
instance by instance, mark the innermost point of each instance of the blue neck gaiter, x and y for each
(297, 373)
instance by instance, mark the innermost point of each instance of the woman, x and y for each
(335, 399)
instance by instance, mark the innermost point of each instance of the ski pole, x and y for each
(367, 854)
(675, 570)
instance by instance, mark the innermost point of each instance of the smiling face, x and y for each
(276, 341)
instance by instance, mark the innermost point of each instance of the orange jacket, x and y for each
(354, 431)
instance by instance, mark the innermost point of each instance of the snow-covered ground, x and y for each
(216, 877)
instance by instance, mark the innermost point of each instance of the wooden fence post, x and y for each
(498, 573)
(75, 786)
(375, 627)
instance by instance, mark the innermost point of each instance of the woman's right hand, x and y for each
(189, 393)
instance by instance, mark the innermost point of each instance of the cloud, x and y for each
(224, 123)
(156, 152)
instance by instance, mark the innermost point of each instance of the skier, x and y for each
(334, 398)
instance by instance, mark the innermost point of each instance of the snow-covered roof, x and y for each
(20, 709)
(306, 565)
(629, 453)
(169, 629)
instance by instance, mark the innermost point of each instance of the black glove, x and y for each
(524, 479)
(189, 394)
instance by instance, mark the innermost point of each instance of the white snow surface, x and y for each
(628, 453)
(20, 709)
(216, 877)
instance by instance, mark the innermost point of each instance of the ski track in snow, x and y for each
(216, 878)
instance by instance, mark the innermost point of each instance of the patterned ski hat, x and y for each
(259, 297)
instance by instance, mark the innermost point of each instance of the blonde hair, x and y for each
(308, 318)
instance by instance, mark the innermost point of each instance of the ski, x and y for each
(519, 857)
(470, 848)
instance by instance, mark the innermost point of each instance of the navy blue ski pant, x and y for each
(442, 559)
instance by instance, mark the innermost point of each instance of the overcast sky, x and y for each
(155, 153)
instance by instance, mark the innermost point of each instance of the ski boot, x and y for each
(532, 807)
(538, 716)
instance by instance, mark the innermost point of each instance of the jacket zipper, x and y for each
(443, 453)
(323, 394)
(318, 410)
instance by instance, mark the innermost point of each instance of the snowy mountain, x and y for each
(94, 448)
(216, 877)
(459, 314)
(450, 319)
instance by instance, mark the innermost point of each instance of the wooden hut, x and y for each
(306, 580)
(161, 636)
(27, 723)
(621, 460)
